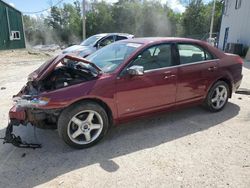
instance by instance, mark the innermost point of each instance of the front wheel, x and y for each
(217, 96)
(83, 125)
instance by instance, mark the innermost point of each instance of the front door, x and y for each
(153, 90)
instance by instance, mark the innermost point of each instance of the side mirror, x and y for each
(136, 70)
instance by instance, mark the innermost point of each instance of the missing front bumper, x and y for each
(11, 138)
(19, 115)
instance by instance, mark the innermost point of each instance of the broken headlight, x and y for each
(27, 101)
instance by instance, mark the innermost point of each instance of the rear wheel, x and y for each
(217, 96)
(83, 125)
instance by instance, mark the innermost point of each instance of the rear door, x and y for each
(153, 90)
(197, 70)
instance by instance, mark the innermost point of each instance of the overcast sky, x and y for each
(34, 6)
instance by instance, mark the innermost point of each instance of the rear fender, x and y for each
(226, 77)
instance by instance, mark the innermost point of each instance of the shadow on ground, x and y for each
(55, 158)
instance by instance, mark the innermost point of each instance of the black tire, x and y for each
(65, 123)
(209, 104)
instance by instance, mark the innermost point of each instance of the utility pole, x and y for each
(212, 21)
(83, 20)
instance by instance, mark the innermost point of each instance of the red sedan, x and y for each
(82, 98)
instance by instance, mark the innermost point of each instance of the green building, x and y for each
(11, 27)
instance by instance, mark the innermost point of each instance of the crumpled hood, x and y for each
(50, 65)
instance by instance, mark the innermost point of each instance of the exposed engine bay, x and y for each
(66, 76)
(66, 73)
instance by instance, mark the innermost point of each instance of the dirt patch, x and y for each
(24, 55)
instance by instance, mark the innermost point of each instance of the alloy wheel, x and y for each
(85, 127)
(219, 97)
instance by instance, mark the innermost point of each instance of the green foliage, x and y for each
(99, 19)
(66, 22)
(194, 19)
(142, 18)
(217, 16)
(131, 16)
(197, 17)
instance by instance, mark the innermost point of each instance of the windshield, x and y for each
(91, 40)
(110, 57)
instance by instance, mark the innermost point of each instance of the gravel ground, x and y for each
(187, 148)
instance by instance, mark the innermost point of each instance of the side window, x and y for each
(106, 41)
(120, 38)
(15, 35)
(154, 57)
(191, 53)
(208, 56)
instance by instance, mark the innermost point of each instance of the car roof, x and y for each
(154, 40)
(108, 34)
(146, 40)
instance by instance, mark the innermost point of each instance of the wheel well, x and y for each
(102, 104)
(228, 83)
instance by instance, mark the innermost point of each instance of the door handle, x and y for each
(169, 76)
(212, 68)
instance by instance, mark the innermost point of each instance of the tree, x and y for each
(36, 30)
(99, 19)
(145, 18)
(197, 17)
(175, 22)
(194, 21)
(217, 15)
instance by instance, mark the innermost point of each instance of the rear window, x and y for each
(190, 53)
(120, 38)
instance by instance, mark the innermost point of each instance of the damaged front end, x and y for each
(17, 116)
(26, 111)
(16, 140)
(32, 106)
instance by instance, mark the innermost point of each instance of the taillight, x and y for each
(240, 60)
